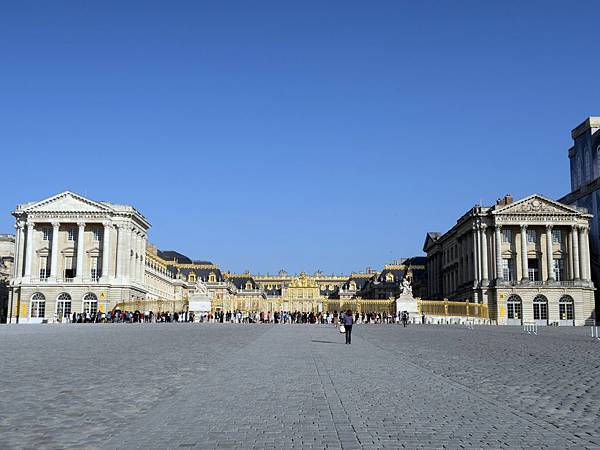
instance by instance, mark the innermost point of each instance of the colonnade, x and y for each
(129, 258)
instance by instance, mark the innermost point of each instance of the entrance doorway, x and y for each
(514, 310)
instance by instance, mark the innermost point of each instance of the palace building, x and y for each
(584, 157)
(528, 261)
(73, 254)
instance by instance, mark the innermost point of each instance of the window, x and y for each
(556, 237)
(389, 277)
(63, 305)
(192, 277)
(540, 308)
(531, 236)
(558, 266)
(508, 270)
(44, 270)
(248, 284)
(587, 158)
(90, 304)
(71, 234)
(212, 278)
(38, 306)
(96, 234)
(507, 236)
(47, 233)
(533, 270)
(513, 307)
(566, 310)
(94, 273)
(69, 270)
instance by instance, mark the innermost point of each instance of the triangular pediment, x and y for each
(67, 202)
(430, 240)
(536, 204)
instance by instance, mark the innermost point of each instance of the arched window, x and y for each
(540, 309)
(389, 277)
(38, 306)
(63, 305)
(514, 308)
(90, 303)
(566, 310)
(248, 284)
(352, 286)
(212, 278)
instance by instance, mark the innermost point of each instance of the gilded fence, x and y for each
(447, 308)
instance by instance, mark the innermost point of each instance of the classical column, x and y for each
(569, 246)
(475, 254)
(142, 258)
(498, 238)
(29, 249)
(484, 254)
(133, 252)
(583, 255)
(54, 251)
(106, 251)
(588, 259)
(121, 232)
(549, 256)
(575, 248)
(524, 262)
(80, 246)
(18, 256)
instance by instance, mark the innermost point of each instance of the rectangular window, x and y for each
(508, 269)
(71, 233)
(556, 237)
(94, 268)
(38, 309)
(44, 272)
(69, 270)
(540, 311)
(507, 236)
(531, 236)
(96, 234)
(558, 265)
(566, 311)
(533, 270)
(47, 232)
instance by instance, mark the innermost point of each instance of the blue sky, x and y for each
(296, 135)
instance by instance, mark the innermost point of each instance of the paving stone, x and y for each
(264, 386)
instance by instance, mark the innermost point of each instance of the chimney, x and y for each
(507, 200)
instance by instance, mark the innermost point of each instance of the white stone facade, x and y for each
(76, 255)
(529, 261)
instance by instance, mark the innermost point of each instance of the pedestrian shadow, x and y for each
(325, 342)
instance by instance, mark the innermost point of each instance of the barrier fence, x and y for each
(530, 328)
(448, 308)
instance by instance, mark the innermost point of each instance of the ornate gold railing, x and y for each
(447, 308)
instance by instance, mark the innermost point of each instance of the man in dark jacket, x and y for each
(348, 320)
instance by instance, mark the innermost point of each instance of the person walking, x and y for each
(348, 320)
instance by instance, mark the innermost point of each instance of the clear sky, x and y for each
(299, 135)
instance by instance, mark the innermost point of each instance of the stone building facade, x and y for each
(7, 257)
(584, 157)
(74, 254)
(527, 260)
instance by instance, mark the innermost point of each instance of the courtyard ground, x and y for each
(297, 386)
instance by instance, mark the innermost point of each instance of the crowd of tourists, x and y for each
(277, 317)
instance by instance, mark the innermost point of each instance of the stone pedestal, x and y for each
(200, 304)
(408, 303)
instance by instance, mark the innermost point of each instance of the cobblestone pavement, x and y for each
(297, 386)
